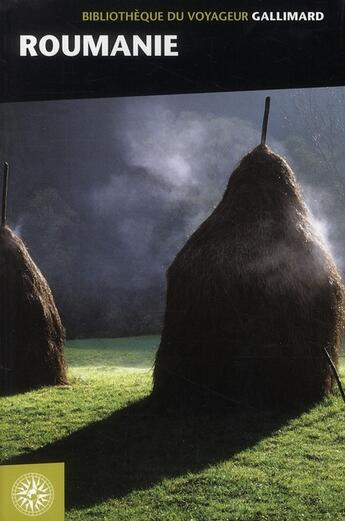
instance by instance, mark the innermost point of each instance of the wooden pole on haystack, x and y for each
(265, 120)
(4, 194)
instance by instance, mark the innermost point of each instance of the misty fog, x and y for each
(105, 192)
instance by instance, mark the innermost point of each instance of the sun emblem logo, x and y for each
(32, 494)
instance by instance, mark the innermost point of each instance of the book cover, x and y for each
(172, 260)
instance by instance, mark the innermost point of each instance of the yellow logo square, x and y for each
(32, 492)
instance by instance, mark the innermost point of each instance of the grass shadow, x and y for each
(138, 446)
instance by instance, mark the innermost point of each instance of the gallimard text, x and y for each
(102, 45)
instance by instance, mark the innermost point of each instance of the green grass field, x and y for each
(126, 462)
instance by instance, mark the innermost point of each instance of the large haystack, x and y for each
(31, 333)
(253, 298)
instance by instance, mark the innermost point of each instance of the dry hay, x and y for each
(253, 298)
(31, 334)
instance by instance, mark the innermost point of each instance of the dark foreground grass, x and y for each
(125, 460)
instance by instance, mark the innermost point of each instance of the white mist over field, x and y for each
(319, 201)
(187, 155)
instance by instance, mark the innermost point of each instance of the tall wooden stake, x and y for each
(265, 120)
(335, 372)
(4, 195)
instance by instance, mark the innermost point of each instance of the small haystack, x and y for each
(31, 333)
(254, 298)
